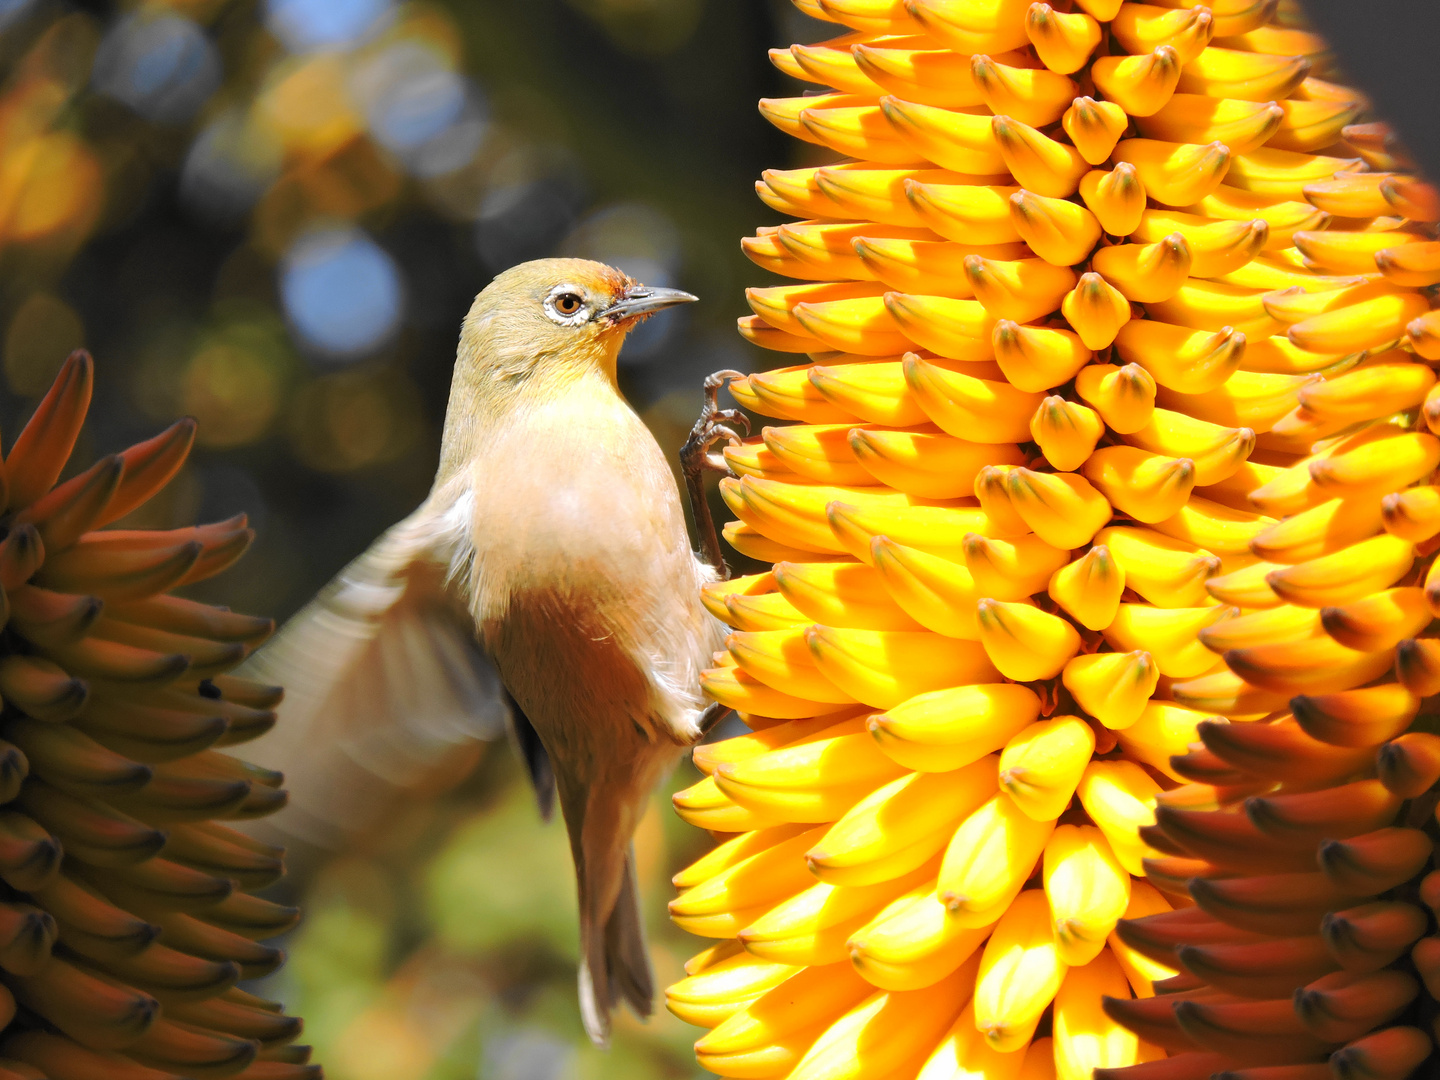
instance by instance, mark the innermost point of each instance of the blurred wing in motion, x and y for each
(387, 691)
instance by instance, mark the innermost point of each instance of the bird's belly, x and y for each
(578, 682)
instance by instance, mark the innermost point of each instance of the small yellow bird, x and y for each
(553, 541)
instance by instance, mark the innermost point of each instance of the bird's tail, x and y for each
(614, 960)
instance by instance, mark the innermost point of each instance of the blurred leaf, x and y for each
(504, 877)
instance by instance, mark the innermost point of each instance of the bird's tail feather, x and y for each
(615, 963)
(625, 947)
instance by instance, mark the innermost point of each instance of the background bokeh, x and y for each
(272, 215)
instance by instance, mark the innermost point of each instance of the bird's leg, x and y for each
(712, 716)
(698, 455)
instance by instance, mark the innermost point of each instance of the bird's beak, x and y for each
(641, 301)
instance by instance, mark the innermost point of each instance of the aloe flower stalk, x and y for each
(1101, 522)
(128, 913)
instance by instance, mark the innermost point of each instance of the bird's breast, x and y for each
(583, 576)
(575, 492)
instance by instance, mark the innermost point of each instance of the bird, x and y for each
(547, 583)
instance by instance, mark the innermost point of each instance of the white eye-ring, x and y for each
(566, 305)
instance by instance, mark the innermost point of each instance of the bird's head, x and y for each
(554, 320)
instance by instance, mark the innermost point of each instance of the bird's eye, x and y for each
(565, 306)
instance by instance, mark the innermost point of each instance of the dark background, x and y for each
(1390, 49)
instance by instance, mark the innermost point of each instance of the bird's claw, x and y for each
(715, 425)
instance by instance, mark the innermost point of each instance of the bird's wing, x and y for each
(526, 742)
(387, 690)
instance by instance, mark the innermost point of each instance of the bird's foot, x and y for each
(714, 425)
(698, 456)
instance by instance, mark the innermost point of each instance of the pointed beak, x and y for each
(641, 301)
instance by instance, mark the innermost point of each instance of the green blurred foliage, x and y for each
(446, 949)
(531, 902)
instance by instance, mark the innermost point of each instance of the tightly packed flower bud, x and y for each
(1113, 436)
(127, 915)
